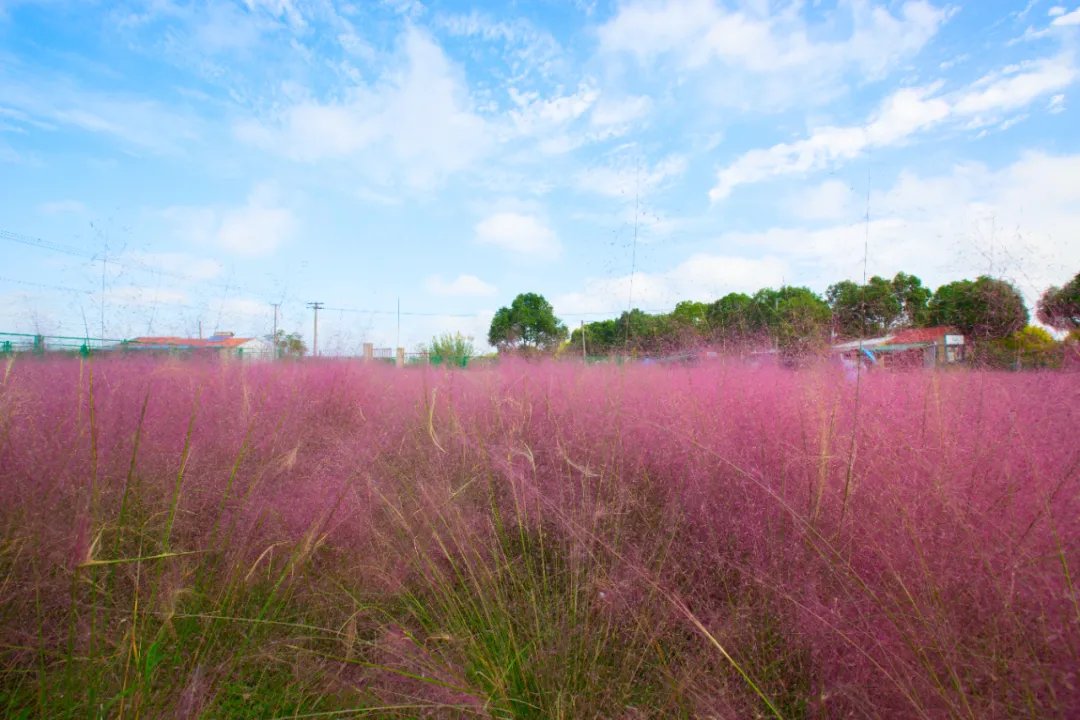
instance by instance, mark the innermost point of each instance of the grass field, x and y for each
(328, 539)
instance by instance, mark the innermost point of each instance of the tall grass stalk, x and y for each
(535, 540)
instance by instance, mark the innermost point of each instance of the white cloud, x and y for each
(534, 114)
(521, 234)
(832, 200)
(48, 101)
(620, 112)
(624, 179)
(902, 115)
(415, 123)
(280, 9)
(702, 276)
(1068, 20)
(528, 49)
(461, 286)
(256, 228)
(1056, 11)
(1016, 222)
(1008, 91)
(768, 53)
(1056, 104)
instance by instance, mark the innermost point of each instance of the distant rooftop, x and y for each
(220, 340)
(909, 338)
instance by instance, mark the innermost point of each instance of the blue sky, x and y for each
(165, 163)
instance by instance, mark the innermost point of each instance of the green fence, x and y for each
(36, 344)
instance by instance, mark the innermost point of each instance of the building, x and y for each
(220, 343)
(911, 348)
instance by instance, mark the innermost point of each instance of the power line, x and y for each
(395, 312)
(128, 263)
(61, 288)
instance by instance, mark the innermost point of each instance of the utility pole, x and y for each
(274, 337)
(316, 306)
(584, 355)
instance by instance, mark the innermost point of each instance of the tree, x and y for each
(984, 309)
(801, 320)
(451, 350)
(691, 314)
(1059, 307)
(913, 299)
(289, 346)
(1031, 347)
(529, 324)
(730, 316)
(878, 306)
(601, 336)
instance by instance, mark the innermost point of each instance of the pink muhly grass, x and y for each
(711, 539)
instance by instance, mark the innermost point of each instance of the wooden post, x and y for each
(400, 357)
(369, 352)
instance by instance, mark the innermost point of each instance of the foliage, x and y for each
(795, 317)
(289, 346)
(528, 324)
(1059, 307)
(1030, 348)
(451, 349)
(913, 299)
(539, 540)
(986, 308)
(730, 317)
(879, 306)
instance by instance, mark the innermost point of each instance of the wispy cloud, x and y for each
(627, 178)
(47, 100)
(703, 275)
(773, 54)
(258, 227)
(415, 123)
(900, 117)
(520, 234)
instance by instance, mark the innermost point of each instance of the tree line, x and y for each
(795, 320)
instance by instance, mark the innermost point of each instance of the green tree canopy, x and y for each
(730, 317)
(1059, 307)
(985, 308)
(800, 319)
(451, 349)
(528, 324)
(913, 299)
(878, 306)
(600, 337)
(691, 314)
(1029, 348)
(291, 345)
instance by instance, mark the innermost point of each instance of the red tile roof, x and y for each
(921, 335)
